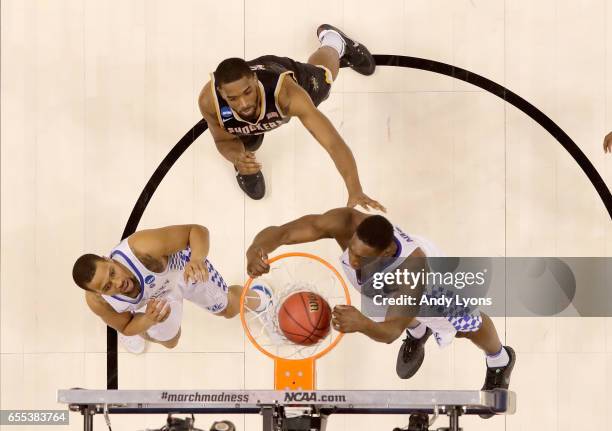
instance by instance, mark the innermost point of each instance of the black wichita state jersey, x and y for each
(270, 71)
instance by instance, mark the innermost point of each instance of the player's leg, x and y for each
(499, 359)
(257, 299)
(132, 343)
(233, 303)
(485, 337)
(215, 296)
(328, 57)
(252, 302)
(171, 343)
(253, 185)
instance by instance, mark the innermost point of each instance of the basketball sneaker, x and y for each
(411, 355)
(224, 425)
(133, 344)
(356, 55)
(254, 185)
(418, 422)
(267, 310)
(266, 296)
(499, 377)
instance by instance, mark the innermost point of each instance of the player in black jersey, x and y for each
(245, 99)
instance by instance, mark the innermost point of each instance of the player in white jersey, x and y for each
(371, 240)
(139, 288)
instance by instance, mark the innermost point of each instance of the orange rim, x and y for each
(250, 281)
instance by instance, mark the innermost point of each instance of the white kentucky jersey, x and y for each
(152, 284)
(406, 245)
(444, 327)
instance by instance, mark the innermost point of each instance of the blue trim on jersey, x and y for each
(399, 247)
(136, 272)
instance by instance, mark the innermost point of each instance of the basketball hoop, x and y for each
(290, 273)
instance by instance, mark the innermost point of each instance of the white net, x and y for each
(287, 276)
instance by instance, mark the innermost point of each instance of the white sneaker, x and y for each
(267, 310)
(266, 296)
(133, 344)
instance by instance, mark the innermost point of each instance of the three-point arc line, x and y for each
(508, 96)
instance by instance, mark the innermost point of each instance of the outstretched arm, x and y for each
(129, 323)
(299, 104)
(228, 145)
(347, 319)
(332, 224)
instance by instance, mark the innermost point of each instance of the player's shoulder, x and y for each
(142, 242)
(290, 89)
(294, 99)
(346, 217)
(288, 93)
(205, 99)
(346, 213)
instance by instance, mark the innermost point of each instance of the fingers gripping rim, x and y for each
(249, 282)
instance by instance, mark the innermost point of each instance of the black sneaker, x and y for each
(499, 377)
(253, 185)
(418, 422)
(411, 355)
(356, 56)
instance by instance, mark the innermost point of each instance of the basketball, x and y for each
(304, 318)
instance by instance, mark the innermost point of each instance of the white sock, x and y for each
(264, 299)
(418, 331)
(499, 359)
(332, 39)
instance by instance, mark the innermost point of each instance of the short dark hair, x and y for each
(376, 231)
(84, 269)
(230, 70)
